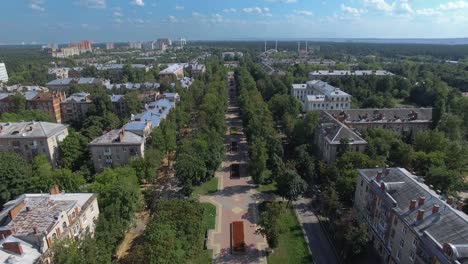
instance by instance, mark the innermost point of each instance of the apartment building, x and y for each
(30, 224)
(75, 107)
(64, 52)
(66, 83)
(48, 102)
(109, 46)
(32, 138)
(3, 73)
(319, 95)
(330, 134)
(134, 45)
(196, 70)
(120, 105)
(335, 73)
(116, 148)
(404, 121)
(407, 221)
(172, 73)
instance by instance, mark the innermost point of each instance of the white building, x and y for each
(3, 73)
(319, 95)
(31, 224)
(318, 73)
(135, 45)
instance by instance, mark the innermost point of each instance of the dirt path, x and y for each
(142, 220)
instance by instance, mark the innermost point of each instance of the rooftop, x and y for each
(40, 211)
(448, 225)
(386, 115)
(335, 131)
(133, 85)
(29, 256)
(67, 81)
(79, 97)
(348, 72)
(172, 69)
(30, 129)
(325, 88)
(118, 136)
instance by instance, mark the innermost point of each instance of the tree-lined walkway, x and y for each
(236, 199)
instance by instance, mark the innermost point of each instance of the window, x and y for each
(91, 208)
(402, 242)
(405, 230)
(362, 182)
(64, 225)
(54, 236)
(415, 242)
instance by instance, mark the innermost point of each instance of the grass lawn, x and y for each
(268, 188)
(209, 220)
(207, 188)
(292, 247)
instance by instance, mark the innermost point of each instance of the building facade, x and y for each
(75, 107)
(330, 134)
(338, 73)
(30, 224)
(29, 139)
(407, 221)
(66, 83)
(172, 73)
(116, 148)
(404, 121)
(3, 73)
(49, 103)
(319, 95)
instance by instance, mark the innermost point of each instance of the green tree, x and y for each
(74, 153)
(291, 186)
(258, 158)
(15, 175)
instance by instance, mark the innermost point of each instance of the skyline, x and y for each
(44, 21)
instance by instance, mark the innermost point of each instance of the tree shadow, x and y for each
(252, 255)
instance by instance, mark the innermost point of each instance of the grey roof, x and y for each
(79, 97)
(30, 95)
(325, 88)
(133, 85)
(155, 113)
(40, 211)
(447, 226)
(113, 138)
(104, 67)
(116, 98)
(347, 72)
(387, 115)
(334, 131)
(67, 81)
(172, 69)
(30, 129)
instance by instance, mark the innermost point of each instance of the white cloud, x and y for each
(118, 14)
(137, 2)
(197, 14)
(265, 11)
(36, 5)
(428, 12)
(93, 3)
(172, 19)
(454, 5)
(379, 5)
(282, 1)
(217, 18)
(229, 10)
(303, 12)
(352, 10)
(178, 7)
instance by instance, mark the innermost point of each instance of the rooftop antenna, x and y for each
(298, 48)
(306, 46)
(276, 46)
(265, 45)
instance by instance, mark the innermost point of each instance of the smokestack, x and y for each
(265, 45)
(36, 230)
(54, 190)
(14, 247)
(276, 46)
(421, 200)
(450, 200)
(412, 204)
(460, 205)
(420, 215)
(435, 209)
(379, 176)
(306, 47)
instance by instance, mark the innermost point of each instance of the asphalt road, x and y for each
(319, 245)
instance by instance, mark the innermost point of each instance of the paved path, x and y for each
(236, 200)
(319, 245)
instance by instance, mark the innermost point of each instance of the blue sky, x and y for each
(124, 20)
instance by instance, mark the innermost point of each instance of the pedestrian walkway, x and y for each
(236, 199)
